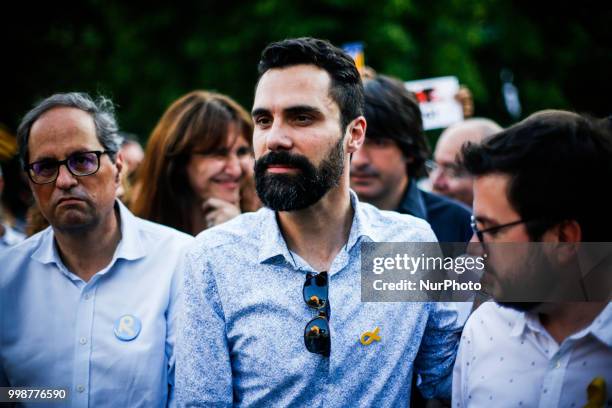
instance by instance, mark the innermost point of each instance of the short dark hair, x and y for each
(101, 110)
(392, 112)
(556, 162)
(346, 88)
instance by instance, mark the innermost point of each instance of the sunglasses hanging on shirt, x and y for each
(316, 295)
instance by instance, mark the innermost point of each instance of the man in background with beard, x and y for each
(272, 313)
(544, 223)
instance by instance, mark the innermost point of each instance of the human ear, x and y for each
(119, 166)
(356, 134)
(567, 236)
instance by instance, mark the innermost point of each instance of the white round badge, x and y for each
(127, 327)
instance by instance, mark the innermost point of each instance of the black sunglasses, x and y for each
(316, 295)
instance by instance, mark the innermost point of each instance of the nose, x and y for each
(65, 179)
(439, 180)
(277, 137)
(233, 166)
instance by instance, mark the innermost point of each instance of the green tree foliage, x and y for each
(145, 55)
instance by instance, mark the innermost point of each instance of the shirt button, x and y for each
(558, 365)
(87, 296)
(80, 388)
(83, 340)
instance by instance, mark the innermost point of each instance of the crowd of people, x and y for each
(221, 265)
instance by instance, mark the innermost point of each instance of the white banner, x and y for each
(436, 97)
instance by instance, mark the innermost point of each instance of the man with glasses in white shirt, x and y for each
(543, 221)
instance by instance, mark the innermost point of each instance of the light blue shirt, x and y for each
(241, 333)
(508, 359)
(57, 331)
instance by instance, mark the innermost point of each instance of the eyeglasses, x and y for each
(480, 233)
(316, 295)
(450, 170)
(78, 164)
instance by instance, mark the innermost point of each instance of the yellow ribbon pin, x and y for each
(596, 393)
(368, 337)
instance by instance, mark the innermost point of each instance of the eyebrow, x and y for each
(259, 112)
(484, 220)
(301, 109)
(292, 110)
(45, 158)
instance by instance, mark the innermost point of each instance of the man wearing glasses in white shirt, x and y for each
(538, 202)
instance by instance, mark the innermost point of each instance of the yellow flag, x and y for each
(8, 145)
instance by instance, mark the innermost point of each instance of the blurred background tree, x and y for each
(145, 54)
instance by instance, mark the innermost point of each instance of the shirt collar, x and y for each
(46, 252)
(600, 327)
(413, 202)
(361, 226)
(519, 325)
(274, 244)
(130, 246)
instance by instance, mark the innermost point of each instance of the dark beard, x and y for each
(291, 192)
(530, 283)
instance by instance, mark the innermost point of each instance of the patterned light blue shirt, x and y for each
(241, 332)
(57, 331)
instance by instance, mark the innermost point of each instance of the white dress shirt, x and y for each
(507, 359)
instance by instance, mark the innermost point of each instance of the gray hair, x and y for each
(101, 110)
